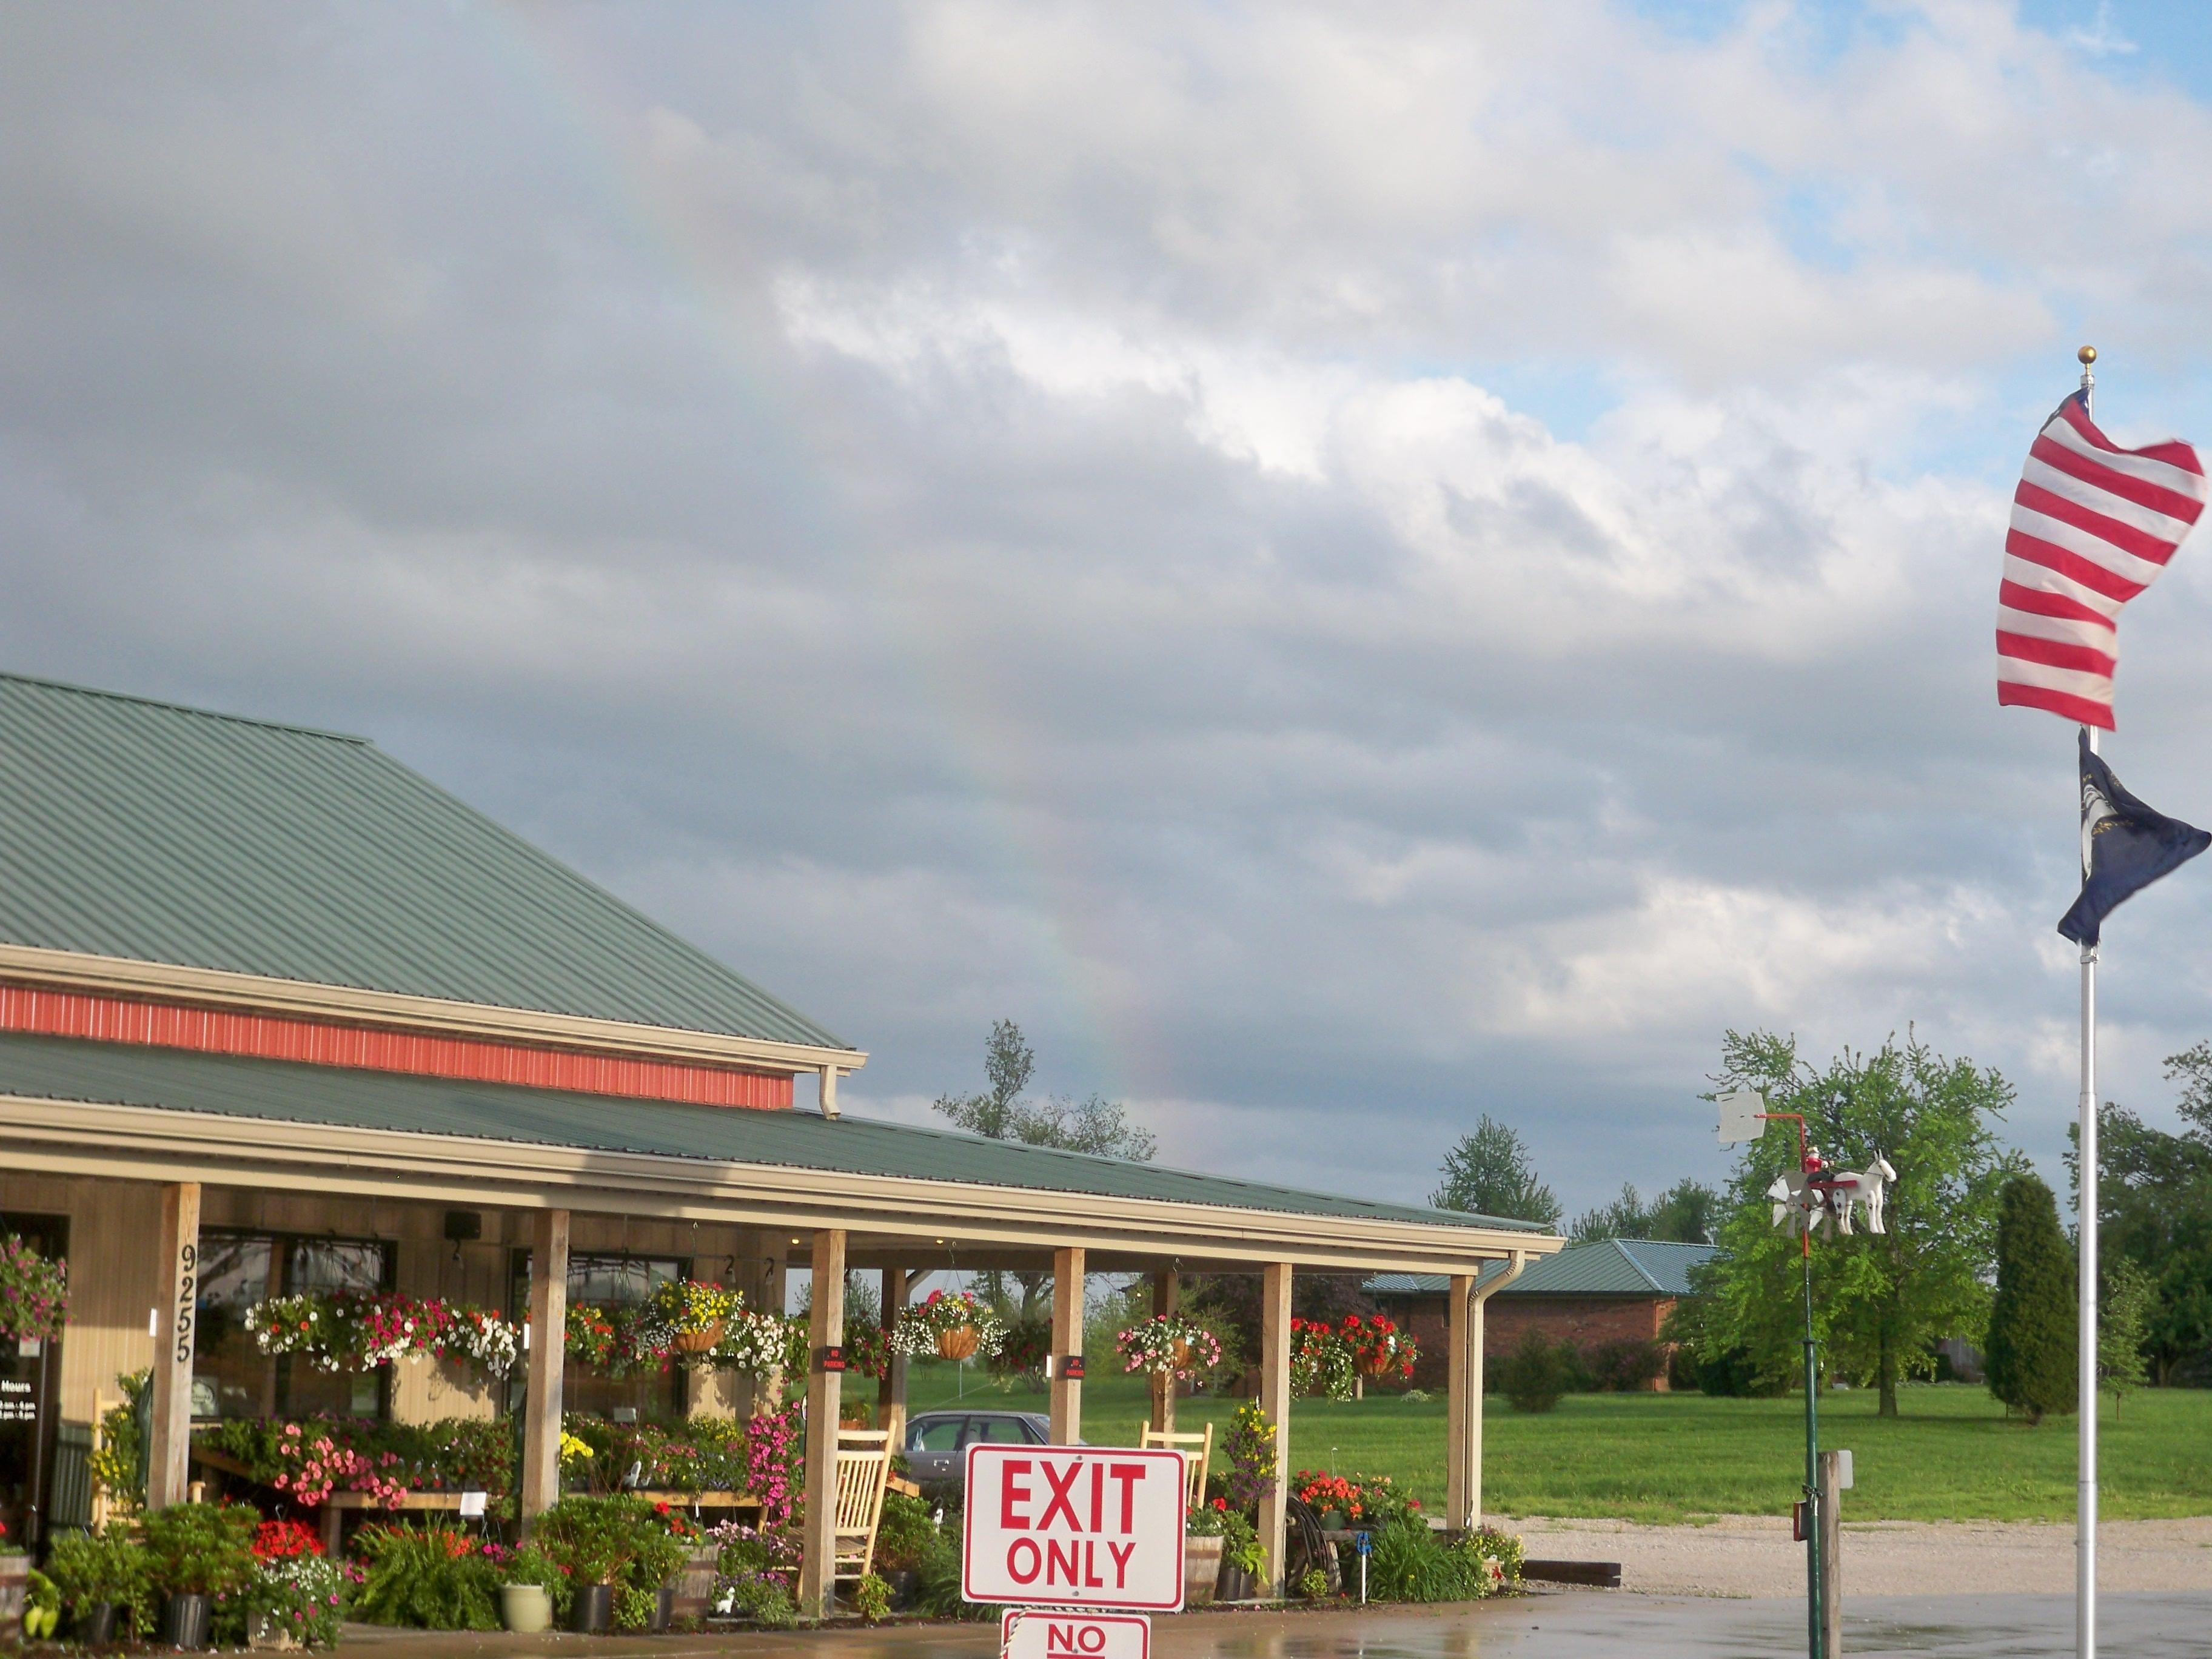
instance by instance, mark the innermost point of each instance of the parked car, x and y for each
(937, 1442)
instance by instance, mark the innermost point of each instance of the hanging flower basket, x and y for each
(1164, 1346)
(343, 1333)
(34, 1293)
(955, 1326)
(1379, 1348)
(762, 1345)
(692, 1315)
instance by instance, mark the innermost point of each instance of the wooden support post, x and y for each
(1167, 1296)
(1066, 1344)
(549, 1357)
(1832, 1555)
(168, 1457)
(1478, 1297)
(1275, 1400)
(890, 1394)
(1463, 1403)
(769, 1392)
(825, 1330)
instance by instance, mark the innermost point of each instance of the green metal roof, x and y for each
(145, 830)
(1605, 1267)
(67, 1068)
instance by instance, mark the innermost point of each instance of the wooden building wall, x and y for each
(115, 1275)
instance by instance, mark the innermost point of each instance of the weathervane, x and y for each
(1815, 1196)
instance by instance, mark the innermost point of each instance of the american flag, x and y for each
(2093, 525)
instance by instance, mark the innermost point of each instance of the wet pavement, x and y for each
(1566, 1625)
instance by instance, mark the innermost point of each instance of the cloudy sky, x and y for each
(1348, 566)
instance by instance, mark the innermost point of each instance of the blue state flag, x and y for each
(2125, 846)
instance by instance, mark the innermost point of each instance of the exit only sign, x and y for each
(1074, 1526)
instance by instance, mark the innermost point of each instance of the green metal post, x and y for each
(1813, 1622)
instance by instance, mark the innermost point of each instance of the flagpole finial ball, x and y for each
(2088, 355)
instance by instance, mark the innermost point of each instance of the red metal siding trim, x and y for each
(270, 1037)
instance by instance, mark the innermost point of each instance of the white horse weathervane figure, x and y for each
(1818, 1195)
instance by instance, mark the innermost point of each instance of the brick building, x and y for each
(1612, 1289)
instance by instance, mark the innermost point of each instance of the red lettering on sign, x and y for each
(1129, 1474)
(1091, 1580)
(1014, 1553)
(1055, 1561)
(1121, 1553)
(1015, 1490)
(1059, 1504)
(1097, 1497)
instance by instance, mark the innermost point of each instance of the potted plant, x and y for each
(294, 1602)
(1205, 1536)
(954, 1327)
(591, 1539)
(195, 1552)
(34, 1294)
(103, 1581)
(1165, 1345)
(693, 1314)
(591, 1336)
(530, 1591)
(15, 1580)
(663, 1545)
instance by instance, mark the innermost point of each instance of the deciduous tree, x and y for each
(1881, 1300)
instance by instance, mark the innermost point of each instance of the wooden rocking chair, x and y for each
(1200, 1448)
(864, 1467)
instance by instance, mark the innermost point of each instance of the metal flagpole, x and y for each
(2085, 1500)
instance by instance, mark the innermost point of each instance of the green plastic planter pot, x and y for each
(526, 1608)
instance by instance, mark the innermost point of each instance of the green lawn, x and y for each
(1952, 1455)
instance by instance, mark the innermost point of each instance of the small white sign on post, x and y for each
(1843, 1471)
(1025, 1633)
(1074, 1526)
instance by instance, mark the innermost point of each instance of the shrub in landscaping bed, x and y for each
(433, 1577)
(903, 1534)
(1537, 1372)
(109, 1565)
(1409, 1563)
(1625, 1367)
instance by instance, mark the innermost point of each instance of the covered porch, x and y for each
(152, 1157)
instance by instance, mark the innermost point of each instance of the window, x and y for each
(613, 1281)
(231, 1377)
(941, 1436)
(1001, 1431)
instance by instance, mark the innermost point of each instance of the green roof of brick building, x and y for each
(1605, 1267)
(156, 833)
(72, 1069)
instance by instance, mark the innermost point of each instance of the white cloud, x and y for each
(1385, 563)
